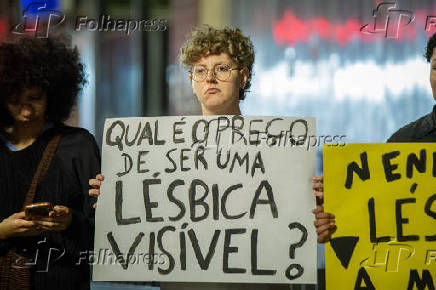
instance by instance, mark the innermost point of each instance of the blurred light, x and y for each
(291, 30)
(2, 27)
(326, 78)
(33, 9)
(367, 80)
(290, 53)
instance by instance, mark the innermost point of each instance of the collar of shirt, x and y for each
(12, 147)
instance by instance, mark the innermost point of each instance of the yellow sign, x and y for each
(384, 199)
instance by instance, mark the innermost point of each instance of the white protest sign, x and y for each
(206, 199)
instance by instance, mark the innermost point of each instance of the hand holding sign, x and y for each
(324, 222)
(96, 184)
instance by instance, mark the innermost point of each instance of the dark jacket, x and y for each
(422, 130)
(56, 254)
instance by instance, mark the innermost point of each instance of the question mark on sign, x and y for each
(292, 248)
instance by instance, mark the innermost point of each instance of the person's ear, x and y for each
(191, 80)
(244, 78)
(192, 84)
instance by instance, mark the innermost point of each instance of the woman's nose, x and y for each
(210, 76)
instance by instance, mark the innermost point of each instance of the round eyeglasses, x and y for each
(220, 71)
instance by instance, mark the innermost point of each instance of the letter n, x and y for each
(363, 172)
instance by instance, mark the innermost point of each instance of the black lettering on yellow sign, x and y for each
(390, 167)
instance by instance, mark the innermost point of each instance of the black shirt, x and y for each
(76, 160)
(422, 130)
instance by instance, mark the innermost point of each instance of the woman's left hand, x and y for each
(58, 220)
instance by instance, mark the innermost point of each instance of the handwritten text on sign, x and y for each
(210, 199)
(384, 200)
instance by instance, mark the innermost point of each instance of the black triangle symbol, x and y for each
(344, 248)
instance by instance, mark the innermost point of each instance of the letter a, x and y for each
(363, 275)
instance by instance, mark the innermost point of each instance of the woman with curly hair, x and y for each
(42, 160)
(219, 63)
(220, 66)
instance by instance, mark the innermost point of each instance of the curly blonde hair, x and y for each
(207, 40)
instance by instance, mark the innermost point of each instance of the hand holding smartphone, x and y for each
(40, 209)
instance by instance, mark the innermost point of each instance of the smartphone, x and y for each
(40, 209)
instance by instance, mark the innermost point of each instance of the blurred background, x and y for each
(312, 59)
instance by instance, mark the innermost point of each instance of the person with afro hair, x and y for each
(39, 84)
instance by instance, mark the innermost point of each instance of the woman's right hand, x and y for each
(17, 226)
(325, 223)
(95, 184)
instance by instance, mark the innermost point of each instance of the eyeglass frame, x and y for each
(214, 73)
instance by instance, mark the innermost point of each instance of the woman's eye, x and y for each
(223, 68)
(199, 71)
